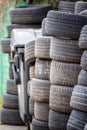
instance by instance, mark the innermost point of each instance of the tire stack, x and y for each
(65, 67)
(78, 118)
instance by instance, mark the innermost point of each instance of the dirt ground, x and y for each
(6, 127)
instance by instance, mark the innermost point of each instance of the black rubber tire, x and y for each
(39, 90)
(5, 45)
(39, 125)
(30, 52)
(11, 117)
(29, 14)
(11, 76)
(82, 78)
(42, 47)
(85, 127)
(60, 24)
(66, 6)
(84, 60)
(32, 72)
(10, 101)
(28, 88)
(79, 98)
(60, 98)
(42, 69)
(83, 39)
(65, 74)
(41, 111)
(20, 26)
(80, 6)
(31, 106)
(11, 87)
(57, 120)
(77, 120)
(83, 13)
(65, 50)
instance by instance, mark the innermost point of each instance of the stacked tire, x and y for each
(78, 98)
(65, 67)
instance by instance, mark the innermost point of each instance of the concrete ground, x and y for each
(6, 127)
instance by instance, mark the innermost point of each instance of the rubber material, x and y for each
(84, 60)
(82, 78)
(31, 106)
(80, 6)
(5, 45)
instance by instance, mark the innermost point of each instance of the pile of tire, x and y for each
(78, 117)
(65, 67)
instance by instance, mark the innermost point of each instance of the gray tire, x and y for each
(85, 127)
(84, 13)
(11, 76)
(43, 28)
(32, 72)
(5, 45)
(31, 106)
(39, 90)
(42, 69)
(65, 50)
(28, 88)
(84, 61)
(65, 74)
(82, 78)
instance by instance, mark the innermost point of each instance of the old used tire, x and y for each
(28, 88)
(79, 98)
(11, 117)
(32, 72)
(42, 69)
(60, 98)
(10, 101)
(57, 120)
(42, 47)
(41, 111)
(60, 24)
(82, 78)
(85, 127)
(43, 28)
(65, 50)
(12, 87)
(39, 90)
(77, 120)
(80, 6)
(29, 14)
(11, 76)
(39, 125)
(31, 106)
(29, 52)
(65, 74)
(84, 61)
(5, 45)
(84, 13)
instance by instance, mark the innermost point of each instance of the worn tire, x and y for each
(84, 61)
(42, 69)
(39, 125)
(60, 24)
(12, 87)
(85, 127)
(43, 28)
(65, 50)
(39, 90)
(31, 106)
(77, 120)
(41, 111)
(28, 88)
(11, 76)
(65, 74)
(57, 120)
(60, 98)
(11, 117)
(5, 45)
(80, 6)
(32, 72)
(82, 78)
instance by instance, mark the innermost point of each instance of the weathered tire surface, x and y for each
(79, 98)
(39, 90)
(5, 45)
(65, 74)
(12, 87)
(60, 24)
(39, 125)
(11, 117)
(11, 76)
(41, 111)
(66, 6)
(82, 78)
(77, 120)
(42, 69)
(43, 28)
(32, 72)
(57, 120)
(84, 13)
(42, 47)
(30, 52)
(60, 98)
(10, 101)
(31, 106)
(80, 6)
(84, 60)
(28, 88)
(65, 50)
(29, 14)
(85, 127)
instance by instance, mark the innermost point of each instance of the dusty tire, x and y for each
(65, 50)
(60, 98)
(42, 69)
(85, 127)
(5, 45)
(41, 111)
(11, 76)
(39, 90)
(11, 117)
(32, 72)
(43, 28)
(65, 74)
(84, 61)
(79, 98)
(31, 106)
(80, 6)
(57, 120)
(77, 120)
(82, 78)
(12, 87)
(28, 88)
